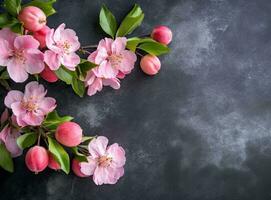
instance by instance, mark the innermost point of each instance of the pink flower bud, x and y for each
(41, 35)
(69, 134)
(33, 18)
(48, 75)
(76, 168)
(53, 164)
(36, 159)
(162, 34)
(150, 64)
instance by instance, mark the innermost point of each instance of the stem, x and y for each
(89, 46)
(39, 132)
(139, 54)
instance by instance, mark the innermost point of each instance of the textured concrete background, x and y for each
(200, 130)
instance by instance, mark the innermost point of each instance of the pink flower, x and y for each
(9, 136)
(62, 44)
(112, 58)
(20, 54)
(104, 163)
(31, 106)
(95, 83)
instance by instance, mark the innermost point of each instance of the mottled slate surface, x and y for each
(200, 130)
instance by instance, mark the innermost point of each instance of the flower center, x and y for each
(115, 60)
(104, 161)
(19, 56)
(29, 105)
(66, 47)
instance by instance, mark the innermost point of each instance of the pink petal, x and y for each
(12, 97)
(101, 55)
(4, 132)
(50, 43)
(17, 108)
(89, 167)
(26, 42)
(34, 62)
(4, 116)
(106, 44)
(5, 52)
(47, 105)
(113, 82)
(121, 75)
(34, 89)
(100, 176)
(52, 60)
(69, 35)
(31, 119)
(92, 56)
(128, 61)
(17, 71)
(11, 143)
(118, 46)
(97, 85)
(90, 78)
(106, 70)
(58, 32)
(117, 154)
(8, 35)
(71, 61)
(97, 146)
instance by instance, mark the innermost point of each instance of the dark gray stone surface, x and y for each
(200, 130)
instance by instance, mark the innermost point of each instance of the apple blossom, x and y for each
(150, 64)
(105, 163)
(32, 18)
(62, 44)
(8, 136)
(95, 84)
(32, 106)
(69, 134)
(36, 159)
(112, 58)
(162, 34)
(20, 54)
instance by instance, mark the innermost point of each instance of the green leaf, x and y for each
(154, 48)
(131, 21)
(132, 43)
(78, 87)
(108, 21)
(6, 20)
(46, 6)
(59, 154)
(5, 84)
(65, 75)
(6, 161)
(17, 28)
(27, 140)
(84, 67)
(12, 6)
(4, 75)
(87, 138)
(53, 120)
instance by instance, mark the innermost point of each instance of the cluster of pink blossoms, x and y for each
(29, 109)
(113, 61)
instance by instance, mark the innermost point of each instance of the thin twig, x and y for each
(89, 46)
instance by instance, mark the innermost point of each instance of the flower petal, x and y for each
(127, 62)
(26, 42)
(106, 70)
(47, 105)
(113, 82)
(70, 61)
(118, 46)
(11, 143)
(31, 119)
(17, 108)
(12, 97)
(34, 61)
(52, 60)
(97, 85)
(89, 167)
(5, 52)
(17, 71)
(97, 146)
(117, 154)
(8, 35)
